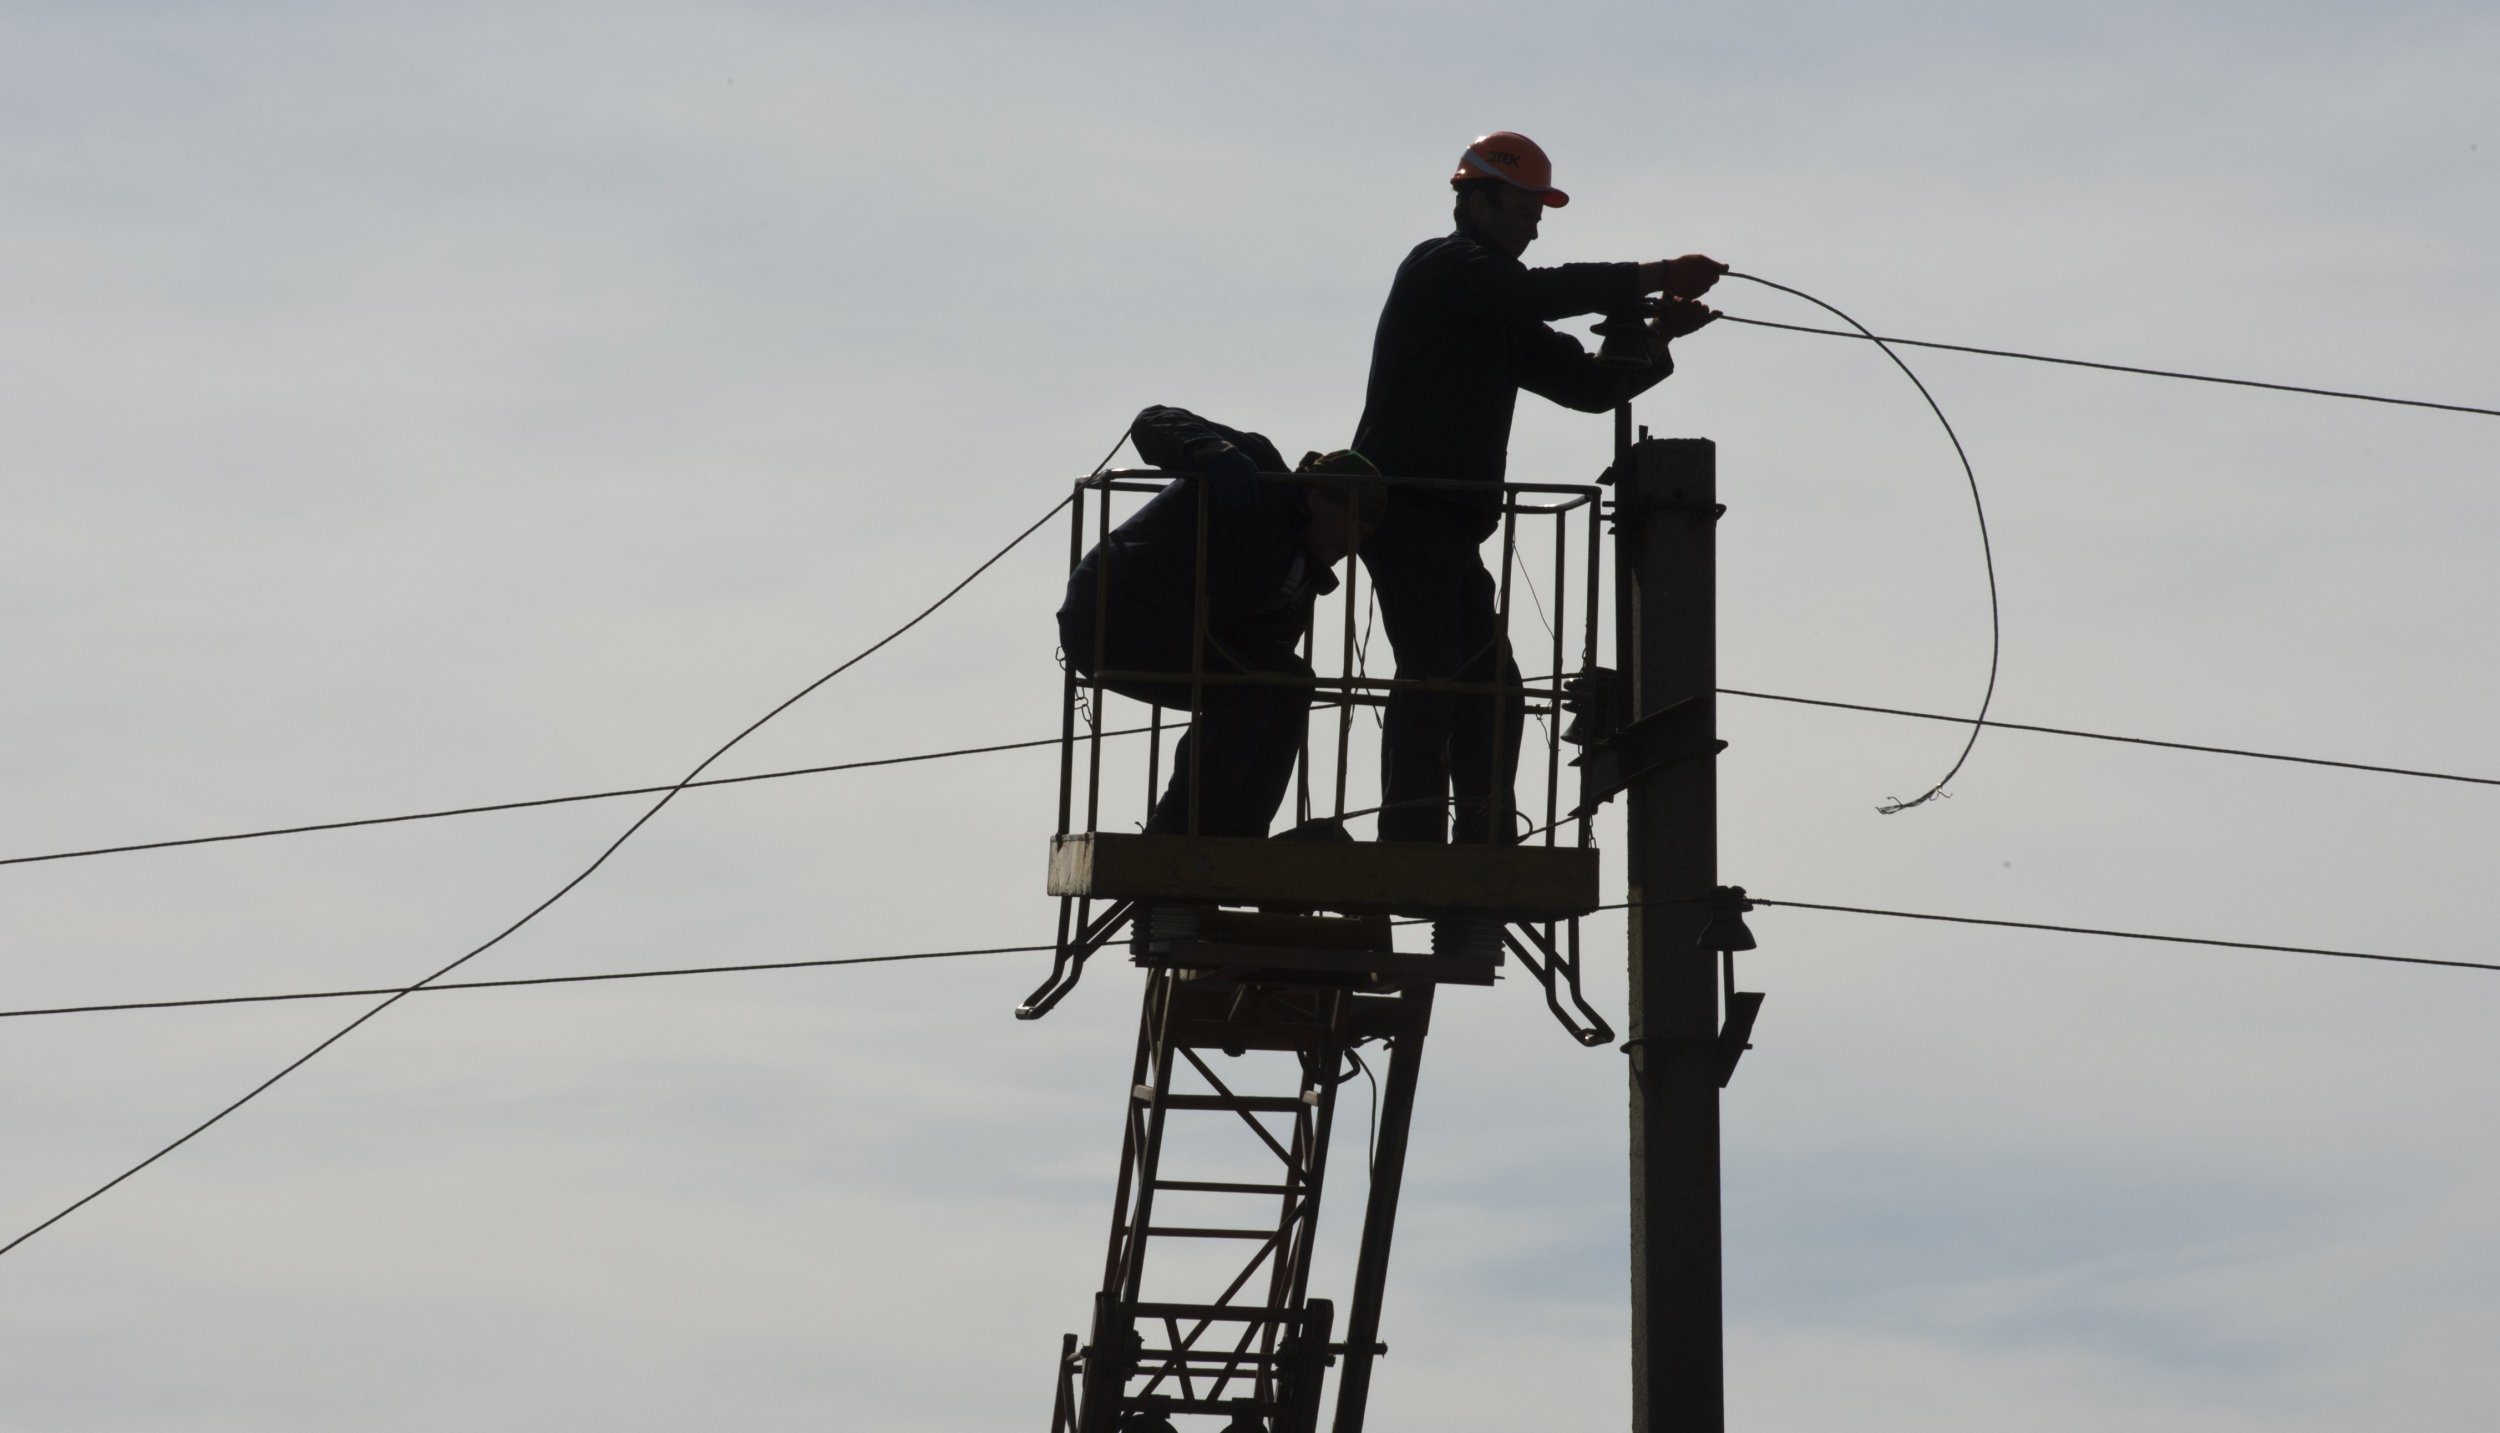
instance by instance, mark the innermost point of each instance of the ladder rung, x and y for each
(1182, 1231)
(1217, 1186)
(1198, 1033)
(1263, 1104)
(1199, 1355)
(1166, 1403)
(1217, 1313)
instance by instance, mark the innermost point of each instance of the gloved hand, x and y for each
(1686, 278)
(1675, 318)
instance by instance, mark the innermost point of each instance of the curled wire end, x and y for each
(1894, 806)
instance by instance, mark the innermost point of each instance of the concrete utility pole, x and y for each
(1666, 653)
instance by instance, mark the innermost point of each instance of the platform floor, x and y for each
(1512, 883)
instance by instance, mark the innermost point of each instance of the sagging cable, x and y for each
(1987, 552)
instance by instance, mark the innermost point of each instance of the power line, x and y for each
(2123, 368)
(2071, 930)
(524, 980)
(351, 824)
(1033, 949)
(1987, 549)
(613, 975)
(561, 892)
(2128, 740)
(544, 801)
(2132, 935)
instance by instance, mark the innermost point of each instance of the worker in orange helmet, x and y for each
(1463, 331)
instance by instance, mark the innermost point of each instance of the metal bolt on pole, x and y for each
(1666, 507)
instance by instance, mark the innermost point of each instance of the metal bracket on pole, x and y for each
(1667, 737)
(1625, 513)
(1726, 933)
(1736, 1035)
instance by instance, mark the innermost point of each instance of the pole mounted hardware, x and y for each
(1726, 934)
(1736, 1037)
(1611, 763)
(1726, 930)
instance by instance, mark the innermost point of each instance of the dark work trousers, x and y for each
(1246, 738)
(1437, 601)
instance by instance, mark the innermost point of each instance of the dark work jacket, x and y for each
(1260, 581)
(1463, 331)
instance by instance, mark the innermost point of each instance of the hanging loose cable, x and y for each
(561, 892)
(1987, 552)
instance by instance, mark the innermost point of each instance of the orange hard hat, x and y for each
(1514, 157)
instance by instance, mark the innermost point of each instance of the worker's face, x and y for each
(1508, 216)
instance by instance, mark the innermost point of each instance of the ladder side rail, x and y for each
(1063, 1379)
(1132, 1144)
(1307, 1370)
(1098, 1393)
(1321, 1071)
(1107, 1355)
(1150, 1161)
(1293, 1244)
(1298, 1208)
(1113, 1358)
(1371, 1270)
(1331, 1056)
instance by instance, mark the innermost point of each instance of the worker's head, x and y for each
(1505, 184)
(1344, 510)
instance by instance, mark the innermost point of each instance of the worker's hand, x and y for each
(1686, 278)
(1677, 317)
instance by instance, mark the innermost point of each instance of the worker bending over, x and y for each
(1463, 331)
(1269, 546)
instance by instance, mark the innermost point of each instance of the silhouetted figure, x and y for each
(1270, 546)
(1463, 331)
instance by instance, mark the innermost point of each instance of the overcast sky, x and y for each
(410, 407)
